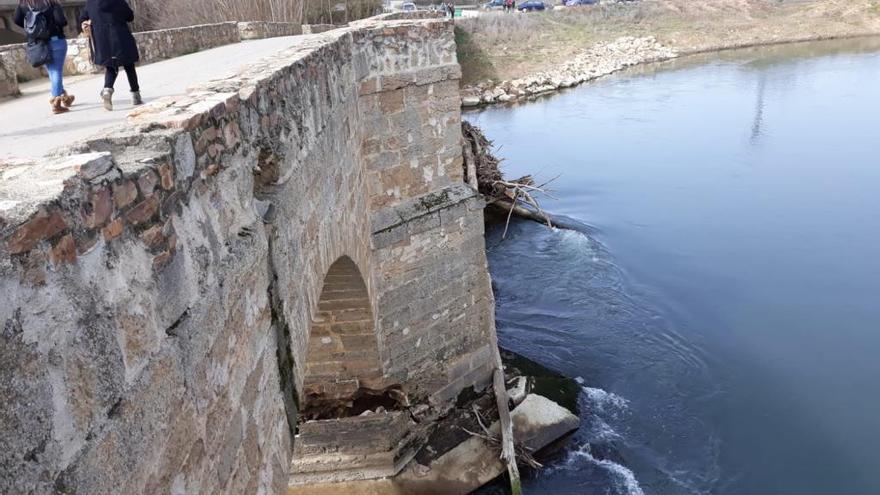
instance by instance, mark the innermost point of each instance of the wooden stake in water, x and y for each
(508, 452)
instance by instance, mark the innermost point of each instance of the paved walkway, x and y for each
(28, 129)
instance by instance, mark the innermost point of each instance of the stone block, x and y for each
(113, 229)
(124, 193)
(63, 251)
(147, 182)
(94, 165)
(8, 78)
(99, 208)
(144, 211)
(166, 176)
(45, 224)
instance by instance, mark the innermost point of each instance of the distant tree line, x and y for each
(158, 14)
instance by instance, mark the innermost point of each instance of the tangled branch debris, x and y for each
(523, 453)
(482, 171)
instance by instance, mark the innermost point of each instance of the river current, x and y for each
(718, 297)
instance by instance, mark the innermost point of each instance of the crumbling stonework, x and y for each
(15, 59)
(8, 79)
(176, 291)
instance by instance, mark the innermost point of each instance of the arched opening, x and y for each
(352, 423)
(343, 375)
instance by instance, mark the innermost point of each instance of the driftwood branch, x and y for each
(508, 451)
(523, 453)
(482, 171)
(525, 189)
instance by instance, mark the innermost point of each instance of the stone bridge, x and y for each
(274, 277)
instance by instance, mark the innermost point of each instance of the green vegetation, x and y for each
(473, 59)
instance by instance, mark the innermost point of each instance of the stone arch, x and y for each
(343, 358)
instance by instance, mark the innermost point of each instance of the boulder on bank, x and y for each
(538, 421)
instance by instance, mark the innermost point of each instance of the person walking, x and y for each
(113, 45)
(43, 21)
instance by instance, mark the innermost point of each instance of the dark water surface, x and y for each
(721, 298)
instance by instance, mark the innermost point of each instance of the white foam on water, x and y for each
(600, 431)
(577, 242)
(601, 400)
(623, 476)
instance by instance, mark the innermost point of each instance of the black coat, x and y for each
(112, 40)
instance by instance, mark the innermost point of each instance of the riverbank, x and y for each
(729, 204)
(506, 57)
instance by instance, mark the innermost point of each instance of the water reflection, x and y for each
(759, 109)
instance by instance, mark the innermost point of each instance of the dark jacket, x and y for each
(112, 40)
(55, 19)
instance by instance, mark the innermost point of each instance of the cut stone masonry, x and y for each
(176, 291)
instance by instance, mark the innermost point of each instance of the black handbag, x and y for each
(38, 53)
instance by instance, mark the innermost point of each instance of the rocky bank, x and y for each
(597, 61)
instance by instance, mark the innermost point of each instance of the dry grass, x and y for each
(157, 14)
(507, 46)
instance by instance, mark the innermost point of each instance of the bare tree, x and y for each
(155, 14)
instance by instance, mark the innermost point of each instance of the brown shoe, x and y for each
(66, 99)
(57, 106)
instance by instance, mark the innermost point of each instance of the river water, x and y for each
(719, 299)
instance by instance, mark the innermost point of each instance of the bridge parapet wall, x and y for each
(8, 77)
(260, 29)
(160, 284)
(153, 45)
(10, 33)
(318, 28)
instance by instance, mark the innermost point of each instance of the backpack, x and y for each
(36, 24)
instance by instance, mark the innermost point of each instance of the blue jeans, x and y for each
(55, 68)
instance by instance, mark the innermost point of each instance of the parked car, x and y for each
(531, 6)
(493, 5)
(408, 7)
(575, 3)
